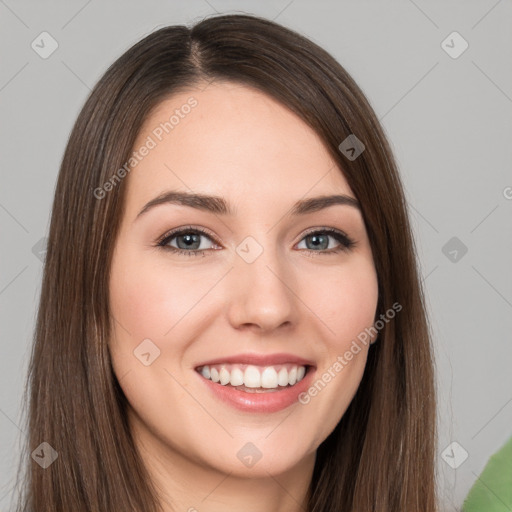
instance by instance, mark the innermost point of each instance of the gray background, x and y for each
(449, 123)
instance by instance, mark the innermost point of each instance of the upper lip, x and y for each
(259, 360)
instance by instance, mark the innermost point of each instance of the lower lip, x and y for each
(265, 402)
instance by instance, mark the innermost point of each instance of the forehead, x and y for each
(231, 140)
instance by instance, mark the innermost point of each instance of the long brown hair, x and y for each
(381, 455)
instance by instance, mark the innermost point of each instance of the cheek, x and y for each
(148, 300)
(346, 305)
(345, 301)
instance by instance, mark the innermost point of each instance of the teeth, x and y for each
(237, 377)
(292, 376)
(224, 376)
(282, 378)
(268, 378)
(250, 376)
(214, 375)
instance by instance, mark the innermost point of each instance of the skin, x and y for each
(240, 144)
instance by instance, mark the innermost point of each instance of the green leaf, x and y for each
(492, 492)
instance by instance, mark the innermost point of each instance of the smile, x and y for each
(256, 389)
(254, 378)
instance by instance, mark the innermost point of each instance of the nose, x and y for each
(262, 294)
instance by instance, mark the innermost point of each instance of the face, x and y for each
(256, 283)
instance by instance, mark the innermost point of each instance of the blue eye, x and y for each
(188, 241)
(320, 239)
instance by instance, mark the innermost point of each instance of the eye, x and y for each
(318, 241)
(188, 241)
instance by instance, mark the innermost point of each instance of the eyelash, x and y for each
(346, 243)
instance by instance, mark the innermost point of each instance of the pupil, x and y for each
(317, 240)
(189, 240)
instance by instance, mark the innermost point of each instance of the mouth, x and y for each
(254, 388)
(254, 378)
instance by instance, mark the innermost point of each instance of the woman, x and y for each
(287, 365)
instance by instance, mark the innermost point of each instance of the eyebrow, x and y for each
(218, 205)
